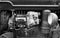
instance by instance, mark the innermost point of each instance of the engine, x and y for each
(24, 22)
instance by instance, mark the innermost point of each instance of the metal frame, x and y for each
(31, 5)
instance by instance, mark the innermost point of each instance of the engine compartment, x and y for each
(24, 20)
(20, 20)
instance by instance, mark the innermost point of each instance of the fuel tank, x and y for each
(33, 2)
